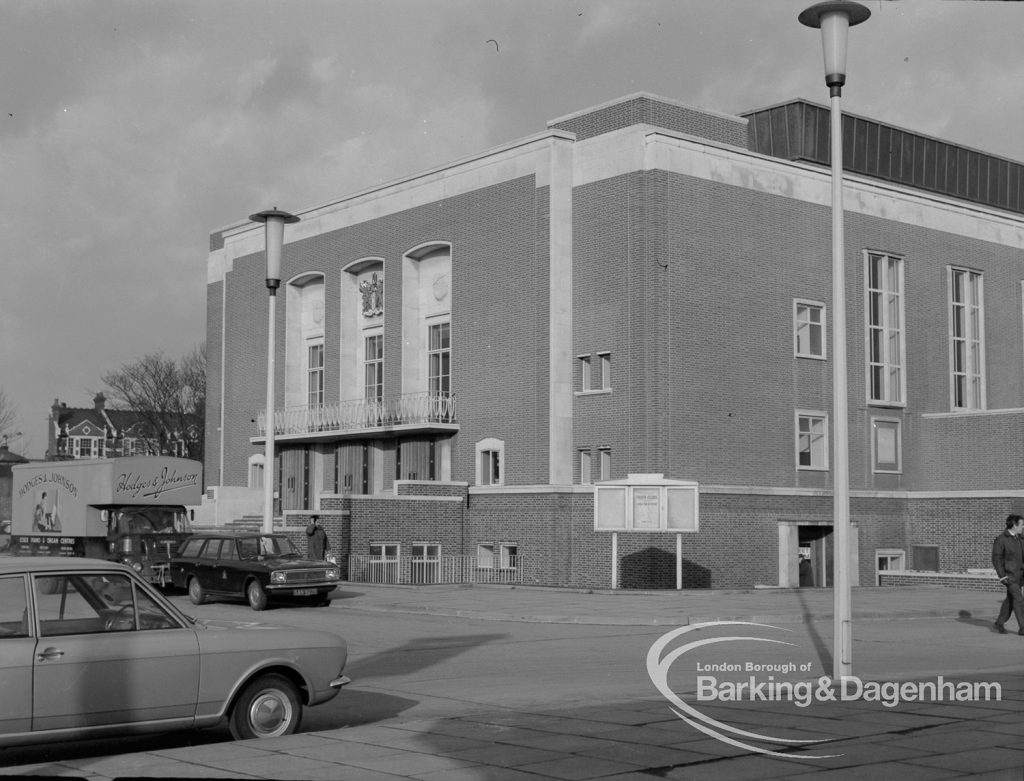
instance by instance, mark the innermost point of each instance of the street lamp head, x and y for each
(834, 18)
(273, 222)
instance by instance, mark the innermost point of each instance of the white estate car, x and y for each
(88, 648)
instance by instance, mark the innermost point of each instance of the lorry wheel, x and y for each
(269, 707)
(195, 591)
(256, 595)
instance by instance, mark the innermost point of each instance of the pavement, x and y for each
(956, 734)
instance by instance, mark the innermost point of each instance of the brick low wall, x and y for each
(942, 579)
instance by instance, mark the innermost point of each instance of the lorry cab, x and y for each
(146, 537)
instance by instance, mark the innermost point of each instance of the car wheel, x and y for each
(256, 595)
(323, 602)
(269, 707)
(195, 591)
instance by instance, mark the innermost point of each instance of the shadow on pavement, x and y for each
(416, 654)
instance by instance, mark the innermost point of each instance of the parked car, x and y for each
(89, 649)
(251, 566)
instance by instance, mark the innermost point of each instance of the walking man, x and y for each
(1008, 560)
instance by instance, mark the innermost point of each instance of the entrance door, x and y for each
(815, 549)
(295, 479)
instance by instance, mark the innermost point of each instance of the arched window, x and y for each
(426, 321)
(362, 330)
(305, 356)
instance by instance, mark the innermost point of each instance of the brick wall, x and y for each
(952, 580)
(646, 110)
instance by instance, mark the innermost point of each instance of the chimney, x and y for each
(98, 401)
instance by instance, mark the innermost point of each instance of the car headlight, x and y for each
(277, 577)
(137, 566)
(332, 574)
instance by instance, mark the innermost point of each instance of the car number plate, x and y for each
(304, 592)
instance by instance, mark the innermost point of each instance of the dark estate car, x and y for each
(252, 566)
(89, 649)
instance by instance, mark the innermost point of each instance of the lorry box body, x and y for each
(130, 509)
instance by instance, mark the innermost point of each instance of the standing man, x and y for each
(318, 541)
(1008, 560)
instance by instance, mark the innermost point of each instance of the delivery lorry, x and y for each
(134, 509)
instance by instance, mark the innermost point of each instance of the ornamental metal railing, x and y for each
(407, 570)
(356, 414)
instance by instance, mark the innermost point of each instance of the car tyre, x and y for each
(269, 707)
(195, 591)
(256, 595)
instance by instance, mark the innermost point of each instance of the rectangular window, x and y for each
(374, 367)
(967, 340)
(808, 329)
(509, 556)
(606, 371)
(811, 440)
(490, 467)
(925, 558)
(585, 373)
(606, 463)
(425, 566)
(886, 447)
(485, 556)
(383, 566)
(315, 375)
(13, 607)
(885, 323)
(585, 467)
(439, 359)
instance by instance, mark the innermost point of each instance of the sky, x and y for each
(132, 129)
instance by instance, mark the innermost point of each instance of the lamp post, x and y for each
(273, 223)
(834, 18)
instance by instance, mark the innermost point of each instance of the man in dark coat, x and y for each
(1008, 560)
(318, 540)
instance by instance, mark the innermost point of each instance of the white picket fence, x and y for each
(439, 569)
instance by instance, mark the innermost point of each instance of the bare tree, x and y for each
(8, 414)
(168, 397)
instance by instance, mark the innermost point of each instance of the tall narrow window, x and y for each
(374, 368)
(585, 467)
(315, 375)
(811, 440)
(490, 467)
(585, 378)
(808, 329)
(885, 328)
(490, 457)
(606, 370)
(439, 360)
(967, 339)
(606, 463)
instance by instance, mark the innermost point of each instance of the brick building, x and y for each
(641, 289)
(99, 432)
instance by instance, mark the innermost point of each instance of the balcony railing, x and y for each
(436, 569)
(357, 414)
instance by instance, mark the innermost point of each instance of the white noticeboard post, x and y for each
(647, 503)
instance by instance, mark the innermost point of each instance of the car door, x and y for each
(229, 574)
(17, 647)
(109, 653)
(205, 566)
